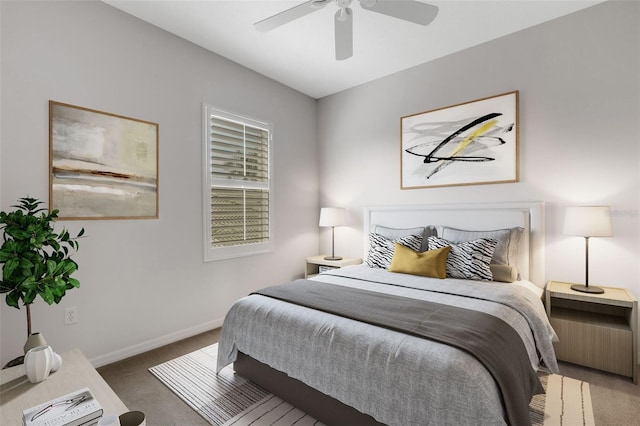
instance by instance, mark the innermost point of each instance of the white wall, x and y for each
(143, 282)
(579, 83)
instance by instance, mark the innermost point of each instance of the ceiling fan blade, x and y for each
(408, 10)
(344, 33)
(290, 14)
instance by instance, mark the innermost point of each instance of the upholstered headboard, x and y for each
(476, 217)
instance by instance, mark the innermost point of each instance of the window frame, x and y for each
(249, 249)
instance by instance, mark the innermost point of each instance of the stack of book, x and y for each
(78, 408)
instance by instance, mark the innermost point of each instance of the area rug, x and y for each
(228, 399)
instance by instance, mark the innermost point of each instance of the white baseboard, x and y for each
(139, 348)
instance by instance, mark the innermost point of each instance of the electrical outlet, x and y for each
(70, 315)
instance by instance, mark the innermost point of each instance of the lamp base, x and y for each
(333, 258)
(586, 289)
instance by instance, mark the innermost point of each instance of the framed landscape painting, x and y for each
(101, 165)
(466, 144)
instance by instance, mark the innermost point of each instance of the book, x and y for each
(77, 408)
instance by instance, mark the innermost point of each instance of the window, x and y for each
(237, 190)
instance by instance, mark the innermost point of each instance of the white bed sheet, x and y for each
(529, 286)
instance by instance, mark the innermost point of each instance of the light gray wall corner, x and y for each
(143, 280)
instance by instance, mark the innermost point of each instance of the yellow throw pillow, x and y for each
(431, 263)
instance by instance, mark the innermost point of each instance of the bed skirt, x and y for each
(328, 410)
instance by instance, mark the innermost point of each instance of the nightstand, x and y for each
(595, 330)
(315, 264)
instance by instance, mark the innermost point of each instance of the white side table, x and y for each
(18, 394)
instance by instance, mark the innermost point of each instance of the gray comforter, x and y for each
(396, 378)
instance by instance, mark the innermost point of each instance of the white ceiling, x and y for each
(300, 54)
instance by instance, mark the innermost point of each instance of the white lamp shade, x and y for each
(332, 216)
(588, 221)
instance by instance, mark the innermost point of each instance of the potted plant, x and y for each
(36, 260)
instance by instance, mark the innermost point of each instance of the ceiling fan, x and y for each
(408, 10)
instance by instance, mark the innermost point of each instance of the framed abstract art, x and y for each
(471, 143)
(101, 165)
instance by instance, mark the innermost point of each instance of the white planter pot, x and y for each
(56, 362)
(34, 339)
(37, 363)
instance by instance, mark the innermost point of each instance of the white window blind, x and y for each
(238, 155)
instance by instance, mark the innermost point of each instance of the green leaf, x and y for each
(29, 296)
(30, 282)
(9, 267)
(59, 289)
(39, 269)
(4, 255)
(51, 267)
(13, 298)
(26, 264)
(47, 295)
(69, 267)
(74, 282)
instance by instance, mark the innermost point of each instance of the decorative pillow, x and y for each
(395, 233)
(469, 260)
(432, 263)
(381, 249)
(507, 249)
(504, 273)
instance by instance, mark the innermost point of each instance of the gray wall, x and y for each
(579, 83)
(143, 282)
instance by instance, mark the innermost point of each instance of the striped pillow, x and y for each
(506, 252)
(381, 249)
(468, 260)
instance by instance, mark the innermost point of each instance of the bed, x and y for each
(344, 369)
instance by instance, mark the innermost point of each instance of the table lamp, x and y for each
(587, 222)
(332, 216)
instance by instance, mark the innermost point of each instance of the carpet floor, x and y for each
(228, 399)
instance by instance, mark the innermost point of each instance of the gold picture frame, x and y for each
(472, 143)
(101, 165)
